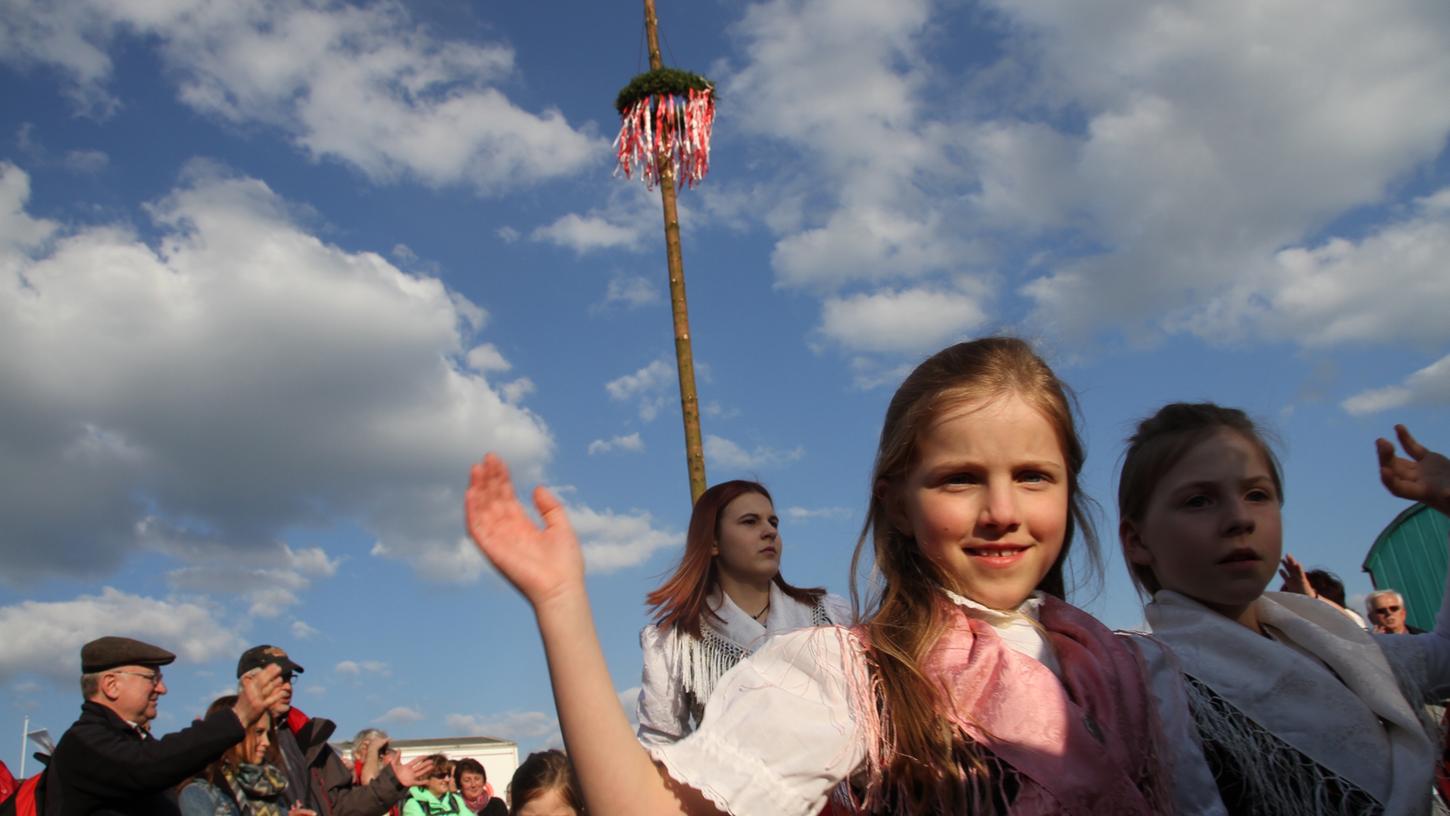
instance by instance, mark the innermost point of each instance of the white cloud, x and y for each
(45, 637)
(630, 292)
(268, 579)
(303, 631)
(1389, 287)
(357, 668)
(362, 84)
(1202, 153)
(901, 320)
(629, 442)
(532, 730)
(588, 233)
(614, 540)
(808, 513)
(649, 384)
(486, 358)
(1131, 167)
(721, 451)
(1428, 386)
(327, 380)
(400, 715)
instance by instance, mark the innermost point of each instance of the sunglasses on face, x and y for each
(1386, 610)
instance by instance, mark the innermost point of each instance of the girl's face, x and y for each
(987, 498)
(1211, 529)
(548, 803)
(748, 546)
(258, 738)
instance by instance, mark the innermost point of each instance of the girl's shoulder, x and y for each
(201, 798)
(837, 610)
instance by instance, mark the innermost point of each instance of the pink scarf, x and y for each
(1086, 744)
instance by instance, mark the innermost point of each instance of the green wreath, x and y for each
(660, 82)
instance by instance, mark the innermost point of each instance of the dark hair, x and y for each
(1327, 585)
(679, 602)
(442, 765)
(468, 765)
(544, 771)
(1159, 442)
(925, 760)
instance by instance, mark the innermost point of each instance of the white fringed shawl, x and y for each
(1322, 686)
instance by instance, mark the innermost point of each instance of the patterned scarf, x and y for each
(258, 789)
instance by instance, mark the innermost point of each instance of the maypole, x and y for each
(665, 120)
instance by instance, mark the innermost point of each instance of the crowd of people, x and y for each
(254, 754)
(962, 681)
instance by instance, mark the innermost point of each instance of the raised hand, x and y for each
(1294, 578)
(260, 691)
(1424, 477)
(542, 563)
(414, 773)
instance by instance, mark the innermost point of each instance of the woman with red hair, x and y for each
(724, 600)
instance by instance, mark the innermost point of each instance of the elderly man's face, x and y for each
(1387, 613)
(133, 692)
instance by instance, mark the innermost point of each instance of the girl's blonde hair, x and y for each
(930, 764)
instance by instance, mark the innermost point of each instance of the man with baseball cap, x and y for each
(316, 775)
(108, 762)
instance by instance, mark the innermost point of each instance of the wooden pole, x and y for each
(684, 356)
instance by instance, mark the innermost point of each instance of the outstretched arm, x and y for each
(546, 565)
(1424, 477)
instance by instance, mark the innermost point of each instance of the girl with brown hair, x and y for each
(706, 617)
(1297, 708)
(241, 782)
(971, 686)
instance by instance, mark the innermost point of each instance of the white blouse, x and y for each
(779, 733)
(664, 708)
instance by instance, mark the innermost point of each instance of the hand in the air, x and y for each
(1424, 477)
(542, 563)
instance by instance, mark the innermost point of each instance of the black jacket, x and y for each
(101, 765)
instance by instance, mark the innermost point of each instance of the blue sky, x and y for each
(272, 274)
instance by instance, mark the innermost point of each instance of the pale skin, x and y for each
(747, 524)
(546, 565)
(1424, 477)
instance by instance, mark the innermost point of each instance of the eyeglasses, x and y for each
(154, 678)
(286, 677)
(1385, 610)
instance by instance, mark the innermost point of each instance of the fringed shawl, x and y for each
(702, 661)
(1309, 718)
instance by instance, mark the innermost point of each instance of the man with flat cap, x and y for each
(316, 775)
(108, 762)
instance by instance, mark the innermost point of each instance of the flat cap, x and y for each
(111, 651)
(262, 656)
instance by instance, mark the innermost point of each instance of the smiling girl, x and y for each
(724, 599)
(1298, 709)
(971, 686)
